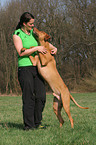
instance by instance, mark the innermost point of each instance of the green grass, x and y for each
(84, 132)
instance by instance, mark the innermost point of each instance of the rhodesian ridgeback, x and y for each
(47, 68)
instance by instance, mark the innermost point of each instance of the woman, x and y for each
(32, 85)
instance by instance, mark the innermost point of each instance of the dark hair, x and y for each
(25, 17)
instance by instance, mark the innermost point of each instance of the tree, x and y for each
(72, 27)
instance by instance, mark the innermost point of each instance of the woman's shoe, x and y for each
(27, 128)
(41, 127)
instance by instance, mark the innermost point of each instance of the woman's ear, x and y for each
(24, 24)
(46, 37)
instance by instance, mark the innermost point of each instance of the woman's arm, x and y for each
(53, 49)
(18, 45)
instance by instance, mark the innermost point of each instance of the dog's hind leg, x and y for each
(57, 106)
(66, 104)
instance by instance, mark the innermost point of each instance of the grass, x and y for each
(84, 132)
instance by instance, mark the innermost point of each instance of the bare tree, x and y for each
(72, 27)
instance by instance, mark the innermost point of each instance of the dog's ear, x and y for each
(46, 37)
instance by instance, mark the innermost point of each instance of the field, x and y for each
(84, 132)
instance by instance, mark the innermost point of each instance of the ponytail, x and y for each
(19, 25)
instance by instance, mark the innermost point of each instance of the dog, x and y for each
(47, 68)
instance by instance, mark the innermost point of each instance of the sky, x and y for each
(3, 2)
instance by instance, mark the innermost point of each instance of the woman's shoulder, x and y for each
(17, 32)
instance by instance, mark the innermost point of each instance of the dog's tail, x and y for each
(78, 104)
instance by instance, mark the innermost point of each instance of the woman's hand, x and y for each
(42, 49)
(54, 51)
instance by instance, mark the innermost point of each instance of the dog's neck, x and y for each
(42, 43)
(45, 44)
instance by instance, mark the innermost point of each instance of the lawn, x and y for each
(84, 132)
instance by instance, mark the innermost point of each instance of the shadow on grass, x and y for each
(15, 125)
(12, 125)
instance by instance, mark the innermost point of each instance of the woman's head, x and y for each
(26, 19)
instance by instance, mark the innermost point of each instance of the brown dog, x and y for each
(47, 68)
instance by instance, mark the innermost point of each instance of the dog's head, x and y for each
(40, 35)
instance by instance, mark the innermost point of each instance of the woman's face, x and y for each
(29, 25)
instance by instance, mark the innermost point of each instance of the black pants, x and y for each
(33, 95)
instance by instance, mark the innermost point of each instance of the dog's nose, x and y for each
(35, 29)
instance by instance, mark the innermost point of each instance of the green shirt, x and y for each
(27, 41)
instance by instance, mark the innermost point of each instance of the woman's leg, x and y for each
(27, 85)
(40, 98)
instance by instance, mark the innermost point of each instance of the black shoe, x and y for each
(27, 128)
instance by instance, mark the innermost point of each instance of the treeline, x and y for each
(72, 27)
